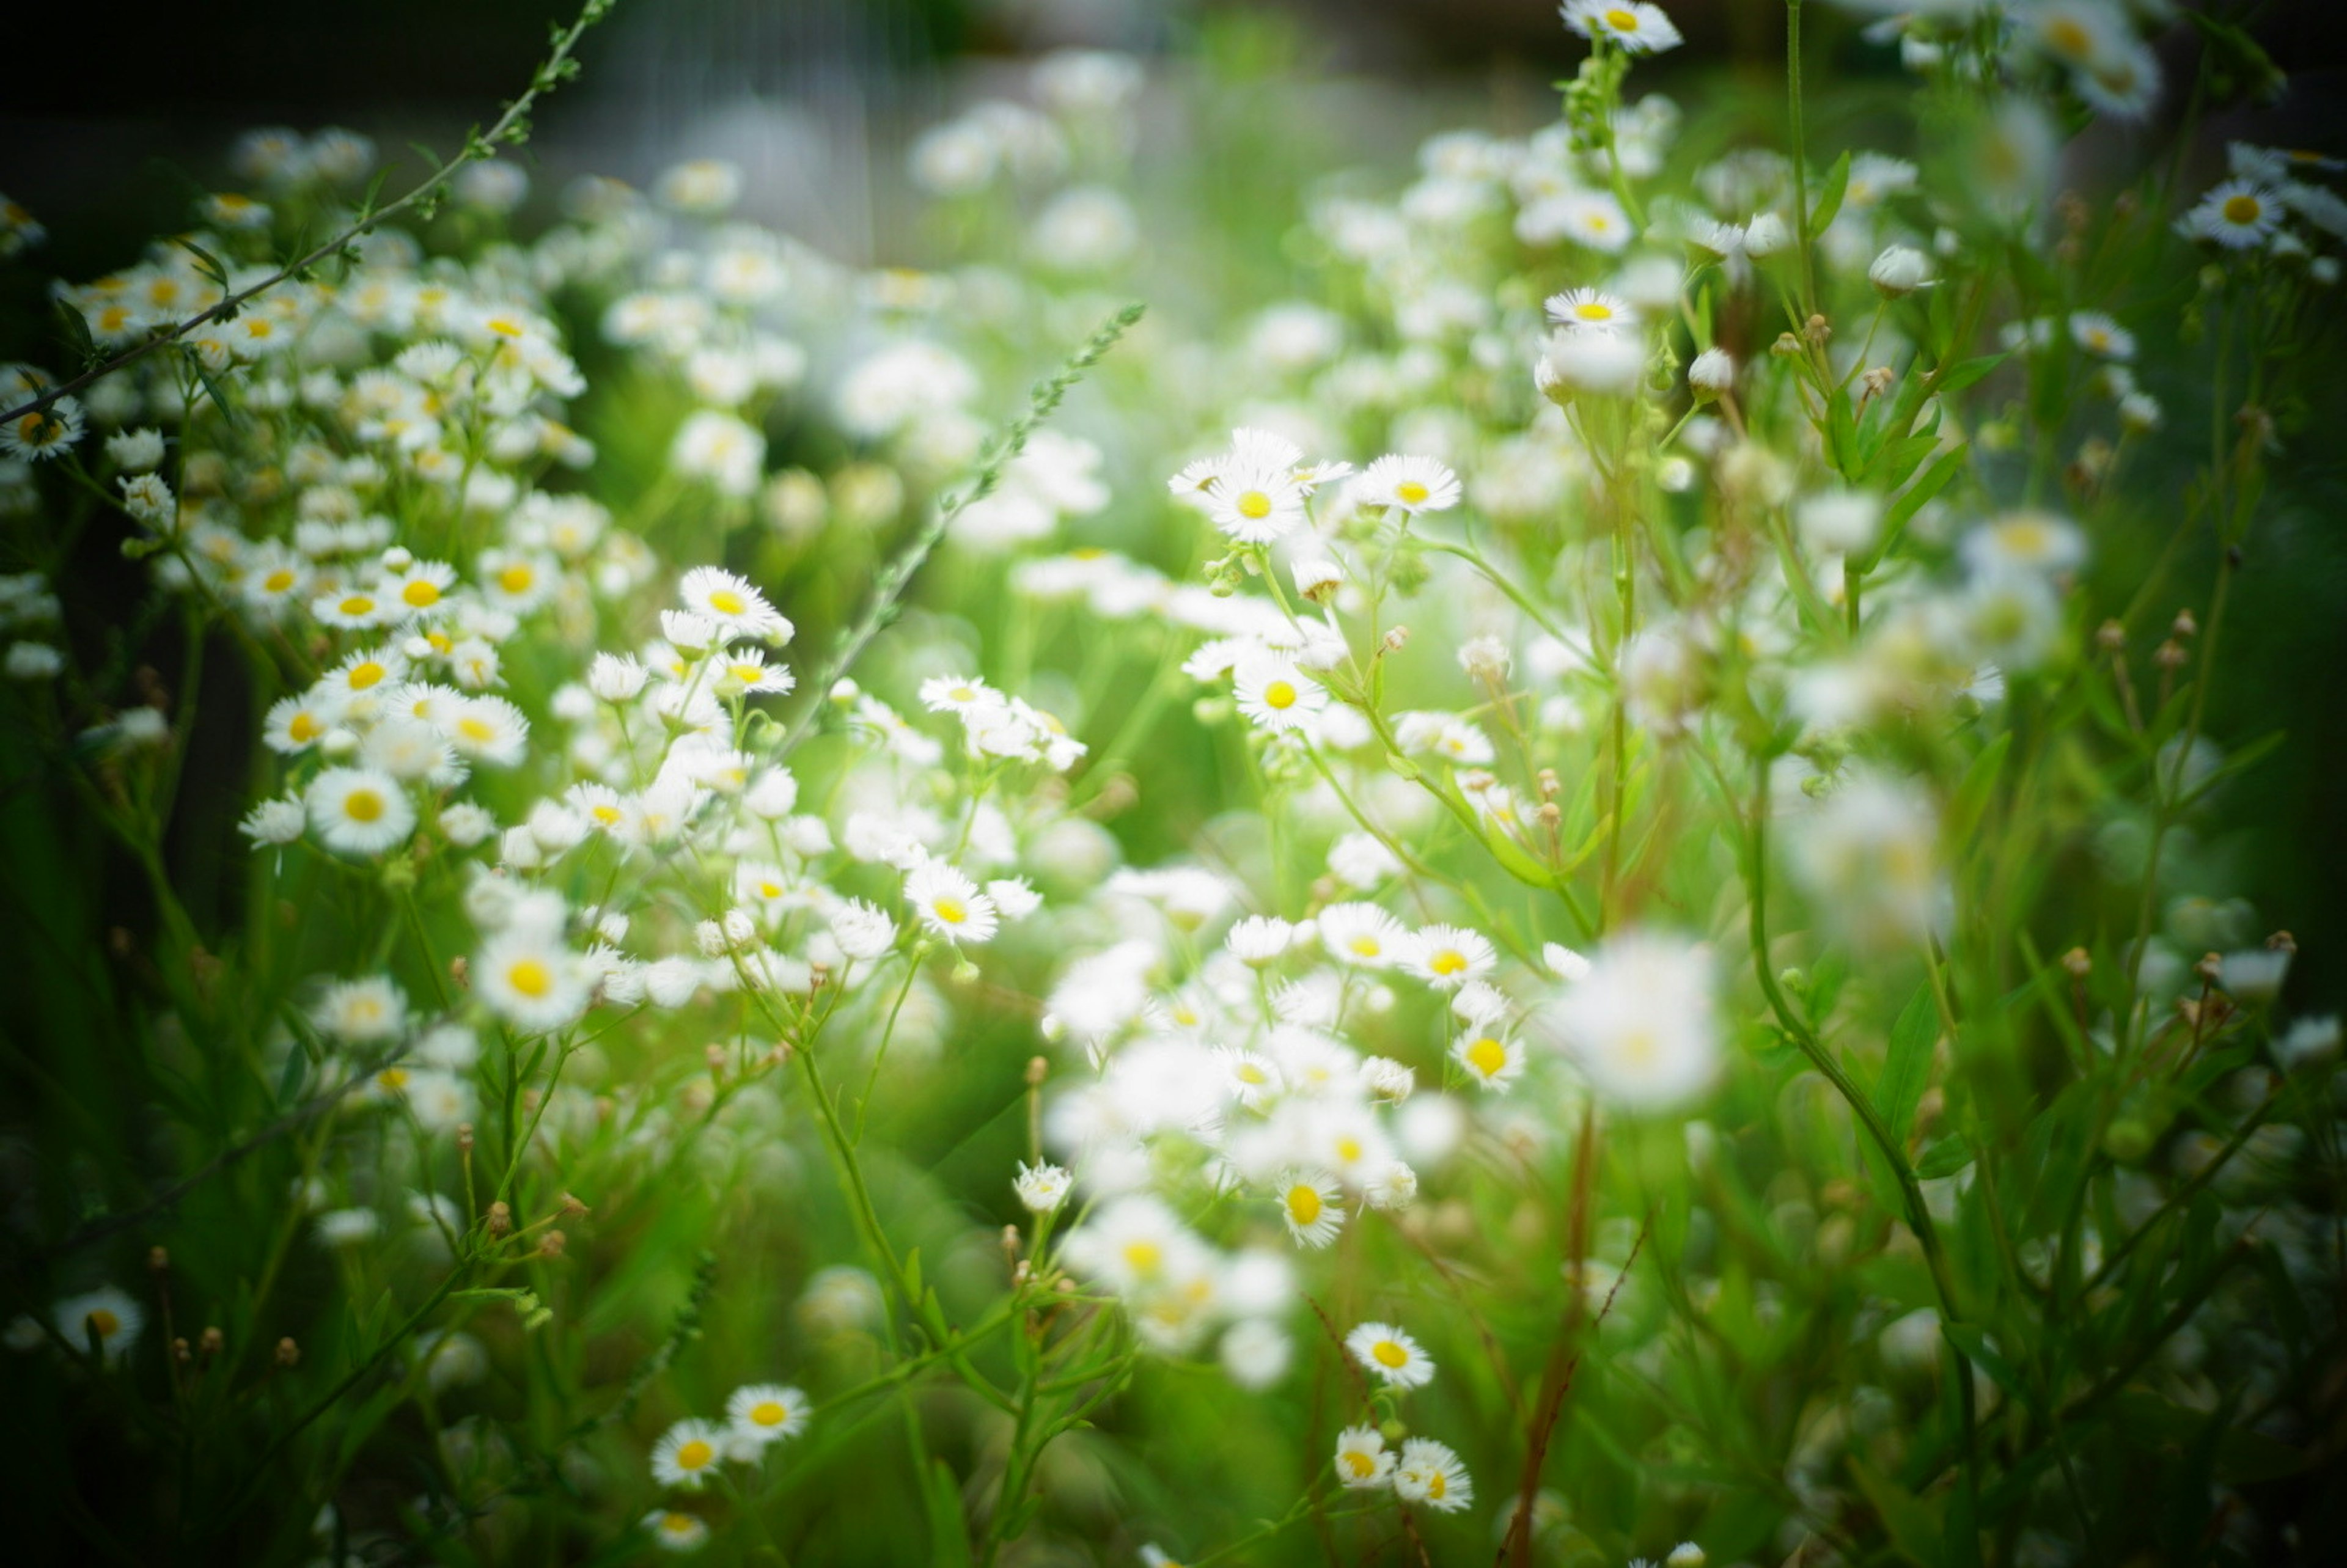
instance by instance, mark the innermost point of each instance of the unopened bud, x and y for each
(287, 1353)
(2078, 962)
(500, 1220)
(2281, 942)
(1397, 638)
(212, 1341)
(2110, 637)
(551, 1244)
(2183, 626)
(159, 1260)
(572, 1209)
(464, 1137)
(2170, 655)
(1038, 1069)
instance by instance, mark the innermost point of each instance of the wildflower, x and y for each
(1640, 1024)
(1448, 957)
(1363, 1462)
(1274, 694)
(111, 1314)
(1362, 936)
(949, 903)
(762, 1413)
(1428, 1473)
(1491, 1059)
(1899, 270)
(1410, 484)
(720, 448)
(2025, 542)
(1392, 1355)
(358, 811)
(1838, 522)
(42, 433)
(862, 931)
(1042, 1189)
(526, 977)
(674, 1531)
(1257, 1353)
(738, 608)
(2236, 215)
(1608, 365)
(1637, 27)
(359, 1011)
(687, 1454)
(2099, 336)
(1713, 372)
(1311, 1206)
(274, 822)
(1259, 938)
(1591, 309)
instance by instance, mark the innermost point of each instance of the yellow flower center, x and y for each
(1348, 1150)
(394, 1079)
(2068, 39)
(695, 1455)
(1366, 947)
(1359, 1463)
(1303, 1204)
(363, 806)
(608, 815)
(1411, 492)
(1143, 1257)
(1389, 1353)
(531, 978)
(1436, 1485)
(363, 676)
(1593, 311)
(1448, 961)
(421, 594)
(277, 581)
(2243, 209)
(725, 602)
(1487, 1056)
(1254, 504)
(304, 728)
(950, 910)
(768, 1413)
(474, 728)
(516, 579)
(1250, 1074)
(357, 604)
(104, 1322)
(1279, 694)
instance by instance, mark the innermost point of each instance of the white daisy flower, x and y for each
(1448, 957)
(526, 977)
(688, 1453)
(676, 1530)
(763, 1413)
(734, 604)
(949, 903)
(1639, 28)
(1362, 936)
(1042, 1189)
(1489, 1058)
(359, 811)
(359, 1011)
(1392, 1355)
(1363, 1461)
(112, 1315)
(1430, 1474)
(2236, 215)
(1273, 694)
(1313, 1207)
(1410, 484)
(1591, 310)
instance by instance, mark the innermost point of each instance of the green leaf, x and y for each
(948, 1538)
(1970, 1338)
(1916, 1525)
(1828, 205)
(1945, 1157)
(1962, 374)
(1907, 1065)
(77, 332)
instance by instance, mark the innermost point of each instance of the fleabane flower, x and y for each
(1586, 310)
(108, 1314)
(1274, 694)
(1391, 1355)
(738, 608)
(1257, 506)
(527, 977)
(672, 1530)
(688, 1453)
(1312, 1205)
(949, 903)
(1361, 936)
(1641, 1024)
(1042, 1189)
(2238, 215)
(359, 811)
(43, 433)
(1363, 1461)
(762, 1413)
(1427, 1472)
(1411, 484)
(1637, 27)
(1448, 957)
(1489, 1058)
